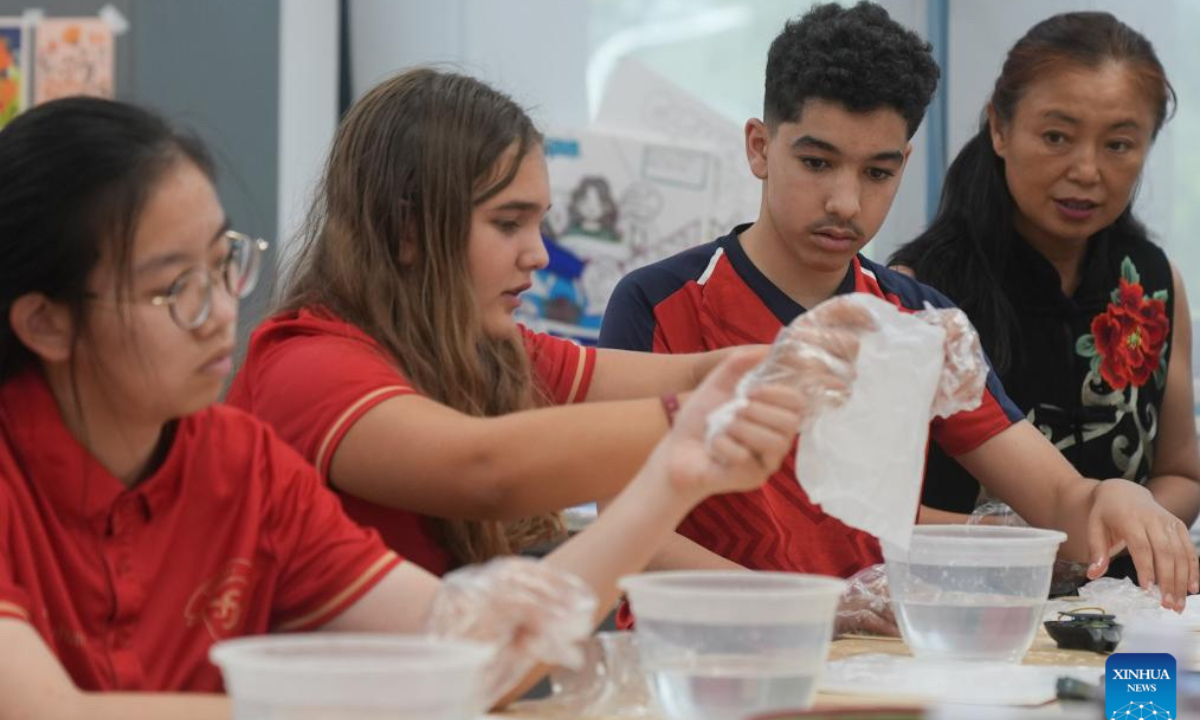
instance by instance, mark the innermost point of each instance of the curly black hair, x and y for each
(856, 56)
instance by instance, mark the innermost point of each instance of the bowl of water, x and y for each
(725, 645)
(971, 592)
(353, 677)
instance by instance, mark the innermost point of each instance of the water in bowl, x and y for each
(969, 626)
(732, 687)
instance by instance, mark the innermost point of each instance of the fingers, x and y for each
(1098, 547)
(1168, 560)
(842, 311)
(1193, 563)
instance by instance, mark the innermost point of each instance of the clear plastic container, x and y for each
(719, 645)
(971, 592)
(353, 677)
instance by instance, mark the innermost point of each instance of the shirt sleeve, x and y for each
(326, 561)
(312, 389)
(628, 318)
(14, 602)
(564, 368)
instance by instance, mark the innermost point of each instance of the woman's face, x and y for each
(1073, 151)
(505, 246)
(132, 352)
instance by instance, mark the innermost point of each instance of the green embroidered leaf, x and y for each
(1161, 295)
(1116, 297)
(1085, 346)
(1129, 272)
(1160, 377)
(1096, 365)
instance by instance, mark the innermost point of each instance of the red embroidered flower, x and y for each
(1130, 336)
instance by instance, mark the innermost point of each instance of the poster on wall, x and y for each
(14, 67)
(617, 203)
(73, 56)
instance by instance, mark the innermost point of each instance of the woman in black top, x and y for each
(1083, 316)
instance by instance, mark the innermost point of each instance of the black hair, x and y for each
(74, 176)
(966, 250)
(856, 56)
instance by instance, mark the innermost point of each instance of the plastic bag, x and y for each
(863, 461)
(609, 684)
(815, 354)
(866, 606)
(535, 613)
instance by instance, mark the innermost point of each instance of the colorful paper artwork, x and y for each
(14, 63)
(73, 56)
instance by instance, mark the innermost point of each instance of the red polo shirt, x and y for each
(312, 375)
(232, 535)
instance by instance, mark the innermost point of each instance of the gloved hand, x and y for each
(964, 370)
(815, 354)
(866, 607)
(532, 611)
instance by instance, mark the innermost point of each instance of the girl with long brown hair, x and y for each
(394, 363)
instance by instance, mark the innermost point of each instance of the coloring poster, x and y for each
(74, 56)
(14, 64)
(617, 203)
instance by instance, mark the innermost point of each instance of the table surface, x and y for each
(1043, 652)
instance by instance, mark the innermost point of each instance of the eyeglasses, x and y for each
(190, 296)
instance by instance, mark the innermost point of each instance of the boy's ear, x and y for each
(43, 326)
(758, 136)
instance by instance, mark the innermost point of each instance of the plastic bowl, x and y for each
(971, 592)
(353, 677)
(718, 645)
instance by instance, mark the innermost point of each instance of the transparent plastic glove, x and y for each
(532, 611)
(994, 512)
(964, 370)
(866, 606)
(814, 354)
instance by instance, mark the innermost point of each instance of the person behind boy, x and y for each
(846, 89)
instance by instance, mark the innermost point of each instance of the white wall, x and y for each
(535, 50)
(308, 106)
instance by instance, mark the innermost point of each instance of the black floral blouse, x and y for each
(1089, 370)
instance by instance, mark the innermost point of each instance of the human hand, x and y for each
(1125, 515)
(531, 611)
(866, 607)
(964, 369)
(747, 449)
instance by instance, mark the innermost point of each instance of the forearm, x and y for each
(682, 553)
(152, 706)
(625, 374)
(1178, 494)
(622, 540)
(932, 516)
(1073, 501)
(558, 457)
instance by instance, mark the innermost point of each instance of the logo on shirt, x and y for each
(1139, 685)
(219, 603)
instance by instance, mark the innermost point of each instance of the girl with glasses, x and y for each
(140, 523)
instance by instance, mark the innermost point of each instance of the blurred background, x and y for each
(263, 82)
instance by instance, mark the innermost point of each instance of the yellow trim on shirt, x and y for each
(13, 609)
(579, 367)
(368, 576)
(344, 418)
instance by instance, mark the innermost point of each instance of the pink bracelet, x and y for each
(670, 404)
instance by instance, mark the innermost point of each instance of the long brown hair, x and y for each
(384, 247)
